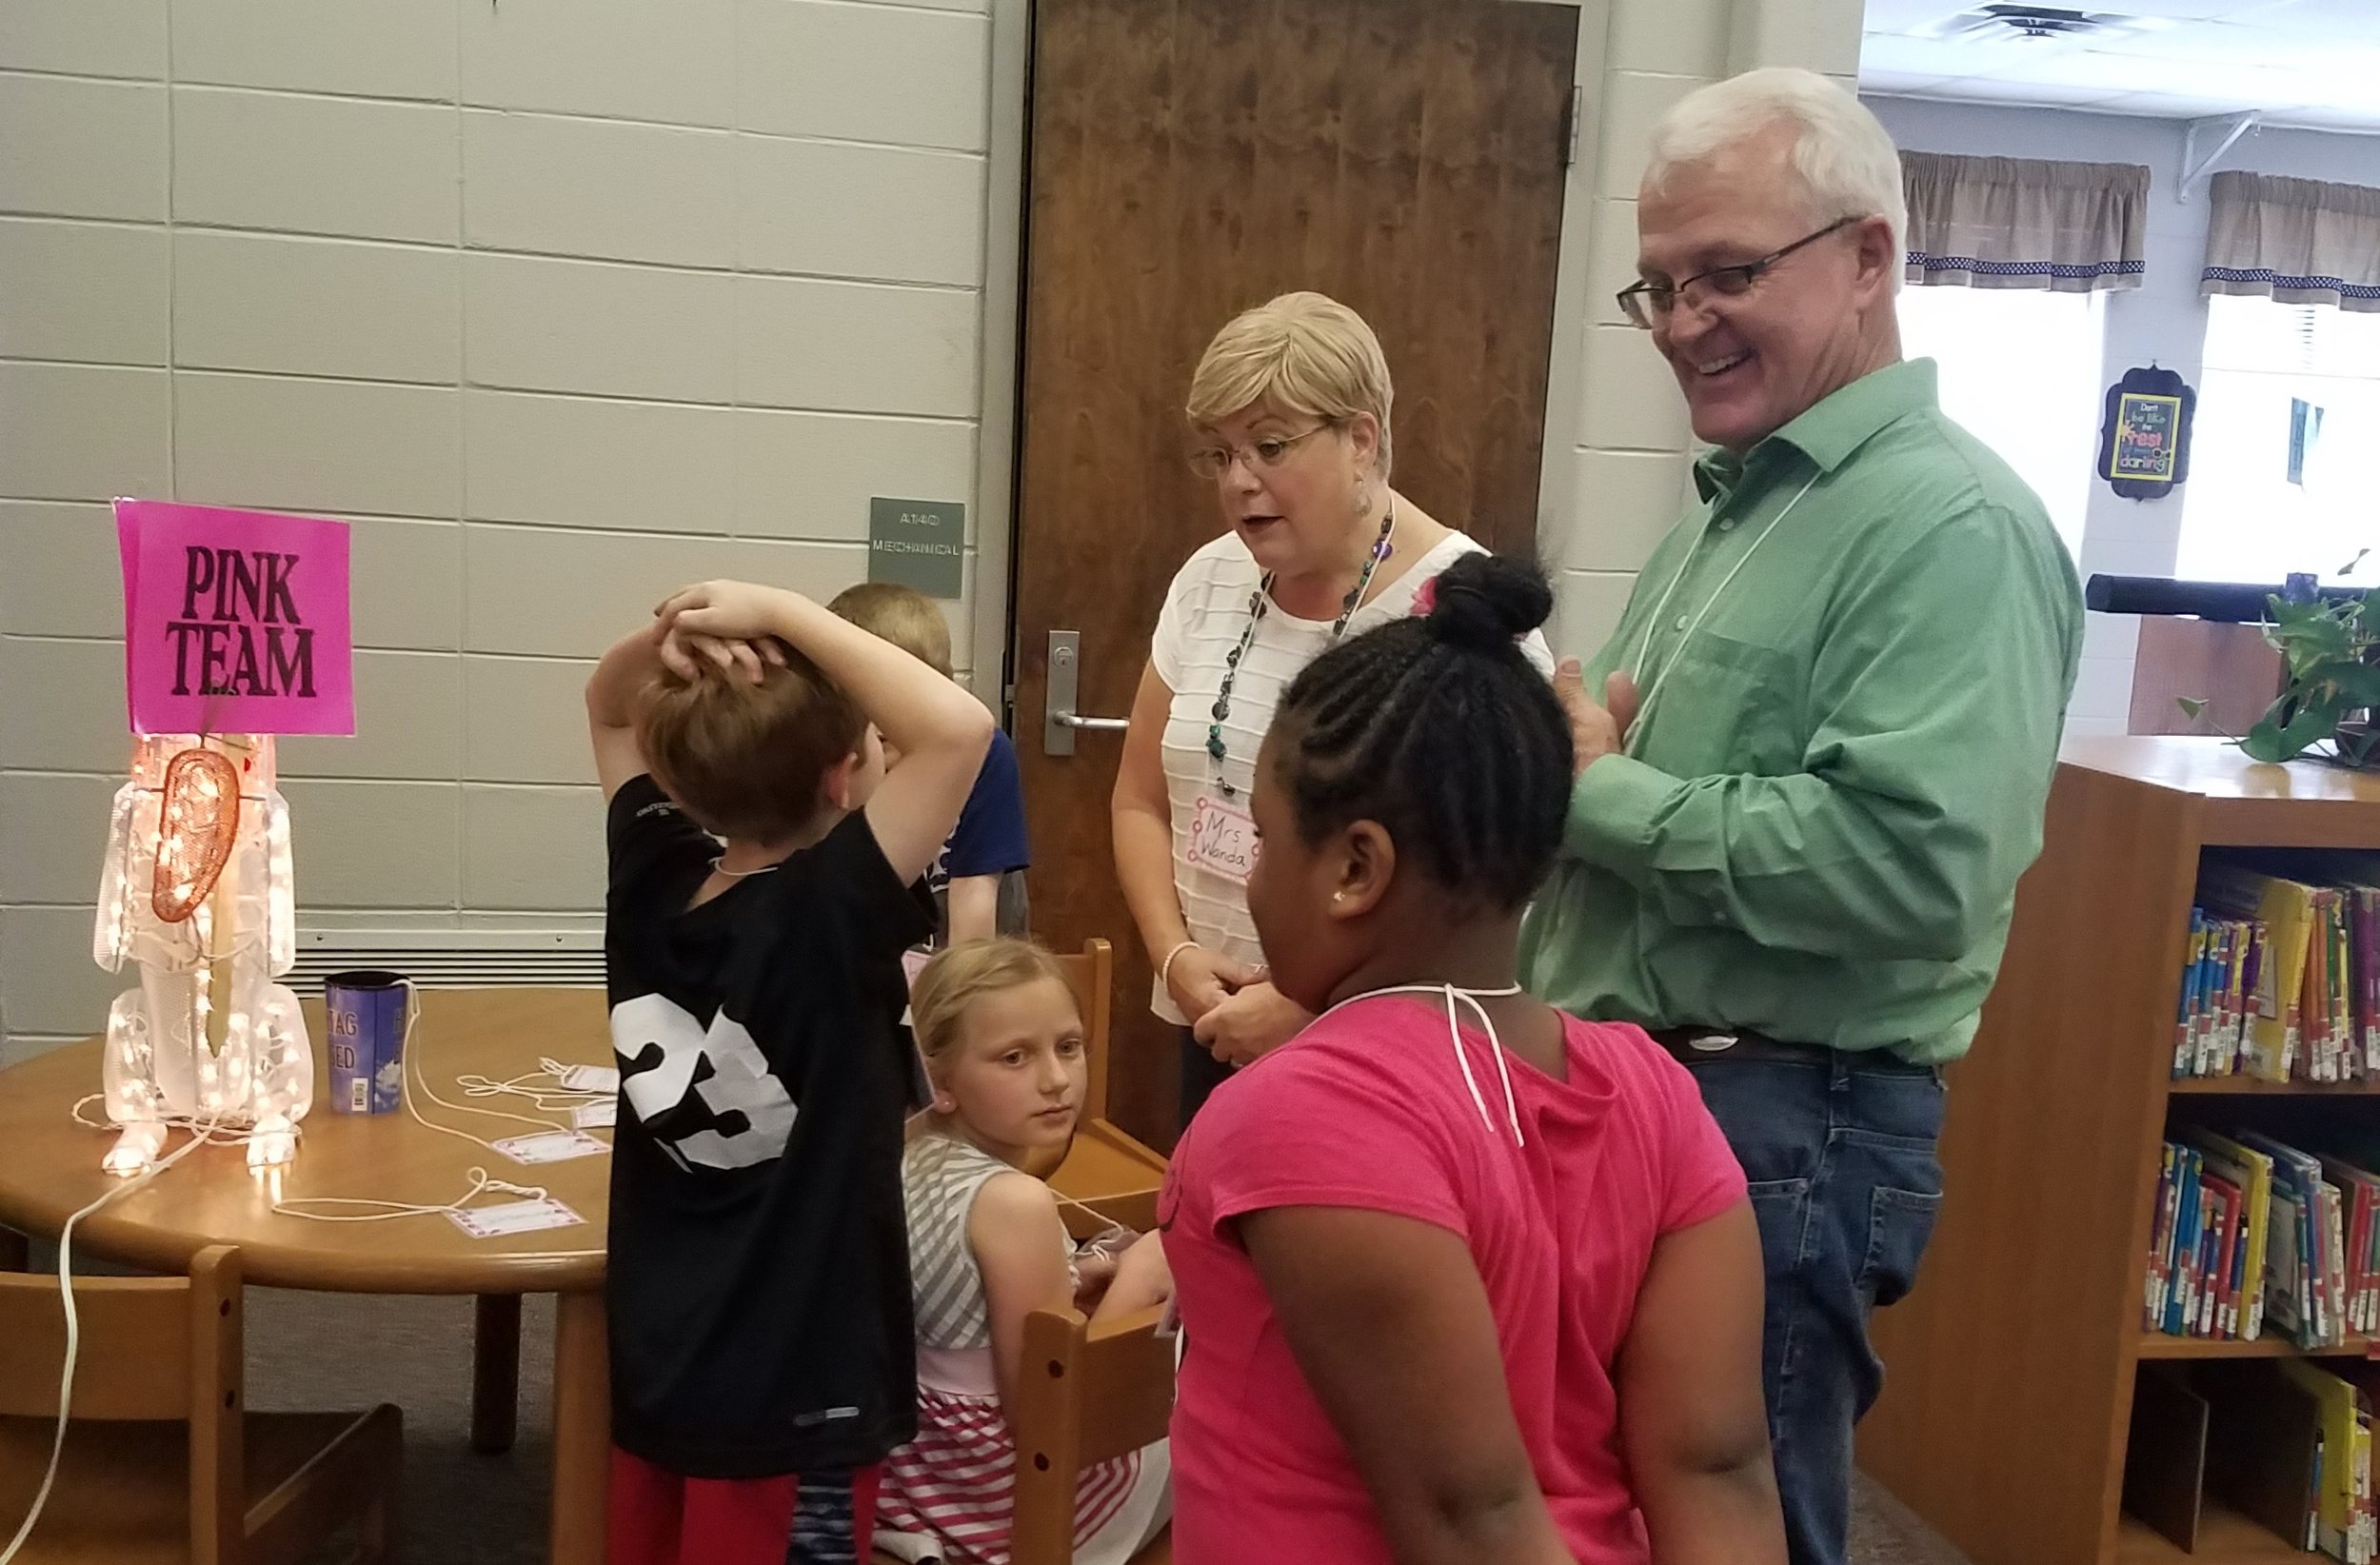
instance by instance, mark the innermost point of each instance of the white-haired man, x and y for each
(1828, 722)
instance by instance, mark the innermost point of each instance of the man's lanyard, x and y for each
(1644, 649)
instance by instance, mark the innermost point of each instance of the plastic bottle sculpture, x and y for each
(197, 891)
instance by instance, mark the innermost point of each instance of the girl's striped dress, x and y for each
(948, 1495)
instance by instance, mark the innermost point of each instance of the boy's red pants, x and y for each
(659, 1517)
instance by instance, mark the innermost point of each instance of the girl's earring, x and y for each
(1338, 896)
(942, 1104)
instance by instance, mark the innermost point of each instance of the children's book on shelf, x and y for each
(2281, 970)
(2252, 1231)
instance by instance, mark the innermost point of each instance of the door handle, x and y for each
(1060, 722)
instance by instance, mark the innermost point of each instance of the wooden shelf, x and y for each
(2244, 803)
(2225, 1537)
(2248, 1086)
(2159, 1345)
(2074, 1053)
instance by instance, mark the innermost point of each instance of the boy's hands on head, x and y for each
(725, 610)
(683, 651)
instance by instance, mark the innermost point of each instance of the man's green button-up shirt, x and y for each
(1853, 659)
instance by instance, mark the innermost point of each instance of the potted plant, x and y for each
(2331, 680)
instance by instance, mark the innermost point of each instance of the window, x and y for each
(2287, 404)
(2020, 370)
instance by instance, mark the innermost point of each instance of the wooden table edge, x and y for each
(134, 1243)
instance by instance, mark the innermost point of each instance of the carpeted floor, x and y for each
(308, 1349)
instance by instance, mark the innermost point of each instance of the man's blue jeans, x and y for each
(1845, 1185)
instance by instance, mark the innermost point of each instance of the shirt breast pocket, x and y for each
(1727, 706)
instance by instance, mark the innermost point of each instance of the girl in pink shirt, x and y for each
(1462, 1278)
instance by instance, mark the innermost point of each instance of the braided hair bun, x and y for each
(1484, 601)
(1438, 727)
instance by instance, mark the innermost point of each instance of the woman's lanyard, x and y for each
(1454, 1032)
(1660, 606)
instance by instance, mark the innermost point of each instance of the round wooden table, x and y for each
(51, 1170)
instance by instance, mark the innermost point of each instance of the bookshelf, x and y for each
(2011, 1369)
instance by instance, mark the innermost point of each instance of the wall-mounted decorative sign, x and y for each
(2143, 439)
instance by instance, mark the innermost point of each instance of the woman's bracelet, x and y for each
(1165, 968)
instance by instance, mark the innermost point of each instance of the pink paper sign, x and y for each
(234, 622)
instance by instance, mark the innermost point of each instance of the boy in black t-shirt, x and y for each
(761, 890)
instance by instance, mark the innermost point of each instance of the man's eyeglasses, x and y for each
(1257, 455)
(1648, 304)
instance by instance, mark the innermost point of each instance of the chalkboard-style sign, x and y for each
(2144, 438)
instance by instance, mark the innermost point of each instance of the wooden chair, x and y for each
(1088, 1393)
(1092, 976)
(163, 1462)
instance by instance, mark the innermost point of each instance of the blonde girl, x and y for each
(1003, 1039)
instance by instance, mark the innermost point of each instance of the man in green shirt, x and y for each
(1829, 715)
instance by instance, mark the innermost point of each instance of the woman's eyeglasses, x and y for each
(1259, 456)
(1648, 304)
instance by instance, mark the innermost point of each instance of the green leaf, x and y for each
(2355, 683)
(2285, 612)
(2190, 705)
(2348, 569)
(2263, 742)
(2273, 739)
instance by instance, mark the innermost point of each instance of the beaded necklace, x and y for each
(1256, 601)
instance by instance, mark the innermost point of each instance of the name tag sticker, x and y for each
(551, 1146)
(1221, 840)
(591, 1079)
(514, 1218)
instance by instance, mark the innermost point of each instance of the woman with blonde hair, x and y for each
(1289, 414)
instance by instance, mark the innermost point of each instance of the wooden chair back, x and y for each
(1092, 974)
(150, 1350)
(1086, 1392)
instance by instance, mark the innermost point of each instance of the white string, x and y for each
(1645, 648)
(1462, 1056)
(554, 1097)
(413, 1074)
(481, 1185)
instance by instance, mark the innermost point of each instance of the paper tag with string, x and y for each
(591, 1079)
(600, 1115)
(525, 1216)
(549, 1147)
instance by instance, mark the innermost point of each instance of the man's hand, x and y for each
(1199, 979)
(1595, 730)
(1254, 1020)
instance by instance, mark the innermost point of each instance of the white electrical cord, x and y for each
(414, 1076)
(199, 1137)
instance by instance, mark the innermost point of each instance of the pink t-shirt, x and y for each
(1368, 1108)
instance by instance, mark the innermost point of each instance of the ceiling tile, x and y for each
(1893, 83)
(1925, 56)
(2051, 95)
(2318, 22)
(1904, 15)
(2245, 86)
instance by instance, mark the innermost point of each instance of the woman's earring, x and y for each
(942, 1104)
(1338, 896)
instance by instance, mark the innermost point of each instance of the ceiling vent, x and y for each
(2017, 23)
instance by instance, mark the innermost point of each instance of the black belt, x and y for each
(1700, 1045)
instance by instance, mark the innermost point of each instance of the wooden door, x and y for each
(1190, 158)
